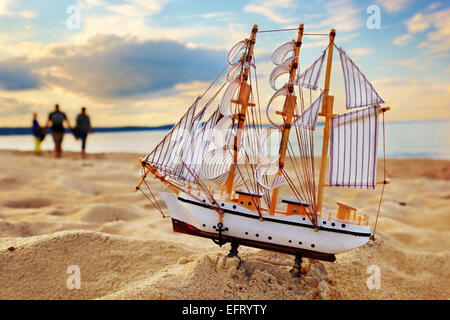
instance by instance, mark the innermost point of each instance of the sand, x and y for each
(58, 213)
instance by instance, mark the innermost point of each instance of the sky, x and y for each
(143, 62)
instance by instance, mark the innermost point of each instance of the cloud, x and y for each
(16, 76)
(412, 63)
(393, 5)
(340, 14)
(109, 66)
(438, 25)
(137, 8)
(218, 16)
(129, 8)
(358, 52)
(268, 9)
(15, 107)
(402, 40)
(433, 6)
(9, 8)
(430, 100)
(419, 23)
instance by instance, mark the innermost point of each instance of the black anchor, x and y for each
(220, 229)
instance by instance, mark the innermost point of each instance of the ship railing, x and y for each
(344, 214)
(356, 219)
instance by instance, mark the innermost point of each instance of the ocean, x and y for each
(415, 139)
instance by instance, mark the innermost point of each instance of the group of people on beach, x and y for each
(55, 121)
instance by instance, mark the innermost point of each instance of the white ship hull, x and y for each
(289, 234)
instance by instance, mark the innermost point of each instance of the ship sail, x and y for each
(230, 93)
(164, 156)
(301, 163)
(279, 55)
(276, 73)
(186, 151)
(234, 70)
(353, 149)
(310, 77)
(281, 92)
(359, 91)
(234, 52)
(308, 119)
(216, 166)
(268, 167)
(198, 144)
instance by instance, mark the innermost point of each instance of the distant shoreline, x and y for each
(27, 131)
(19, 131)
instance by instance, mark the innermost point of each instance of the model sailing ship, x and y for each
(224, 186)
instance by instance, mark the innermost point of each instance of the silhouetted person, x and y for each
(57, 118)
(37, 133)
(82, 129)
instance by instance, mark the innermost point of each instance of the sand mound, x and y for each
(23, 228)
(127, 251)
(214, 276)
(36, 266)
(264, 275)
(28, 203)
(114, 267)
(405, 273)
(100, 213)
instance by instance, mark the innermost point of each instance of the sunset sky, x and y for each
(143, 62)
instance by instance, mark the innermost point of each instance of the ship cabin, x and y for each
(249, 200)
(345, 212)
(295, 207)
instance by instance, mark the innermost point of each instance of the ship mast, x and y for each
(288, 113)
(327, 112)
(243, 100)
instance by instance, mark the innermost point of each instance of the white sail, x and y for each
(353, 149)
(308, 119)
(249, 143)
(232, 92)
(166, 156)
(186, 152)
(269, 169)
(234, 51)
(262, 148)
(359, 91)
(197, 146)
(223, 133)
(276, 73)
(281, 92)
(268, 166)
(279, 55)
(234, 70)
(216, 166)
(310, 77)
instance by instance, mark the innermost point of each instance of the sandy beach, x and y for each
(57, 213)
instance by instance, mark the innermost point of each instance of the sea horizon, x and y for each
(404, 139)
(7, 131)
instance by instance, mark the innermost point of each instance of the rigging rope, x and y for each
(258, 127)
(372, 237)
(223, 70)
(154, 202)
(293, 29)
